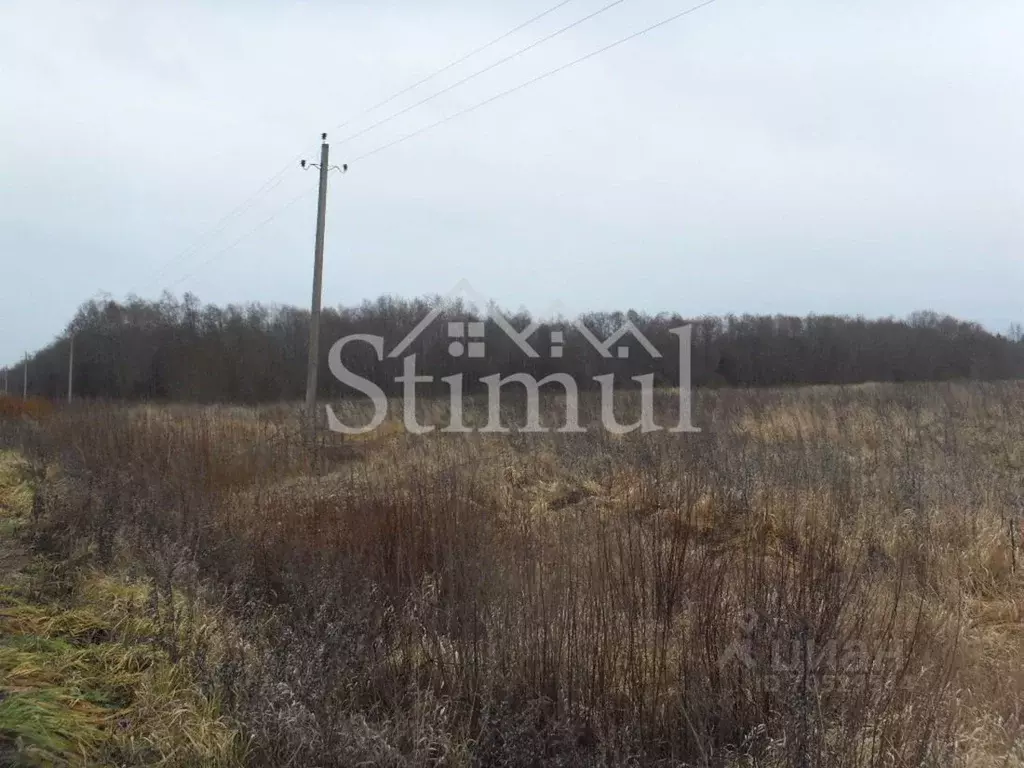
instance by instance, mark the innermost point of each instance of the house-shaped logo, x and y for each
(622, 352)
(467, 338)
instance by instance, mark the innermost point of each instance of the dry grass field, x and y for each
(822, 577)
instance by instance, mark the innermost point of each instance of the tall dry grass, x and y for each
(823, 577)
(17, 408)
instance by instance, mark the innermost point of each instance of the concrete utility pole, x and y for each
(24, 386)
(71, 368)
(318, 278)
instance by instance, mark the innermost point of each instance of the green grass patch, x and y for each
(84, 681)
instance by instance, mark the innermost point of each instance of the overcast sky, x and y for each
(791, 156)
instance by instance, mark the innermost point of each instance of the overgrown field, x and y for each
(822, 577)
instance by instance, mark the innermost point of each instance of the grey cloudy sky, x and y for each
(787, 156)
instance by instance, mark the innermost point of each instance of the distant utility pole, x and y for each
(5, 381)
(318, 279)
(24, 386)
(71, 368)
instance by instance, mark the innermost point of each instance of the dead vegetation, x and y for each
(86, 675)
(823, 577)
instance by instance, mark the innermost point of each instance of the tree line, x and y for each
(183, 350)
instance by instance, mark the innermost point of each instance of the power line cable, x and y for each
(533, 81)
(468, 110)
(221, 224)
(271, 183)
(483, 71)
(244, 237)
(452, 65)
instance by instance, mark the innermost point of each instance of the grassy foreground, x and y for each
(826, 577)
(83, 677)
